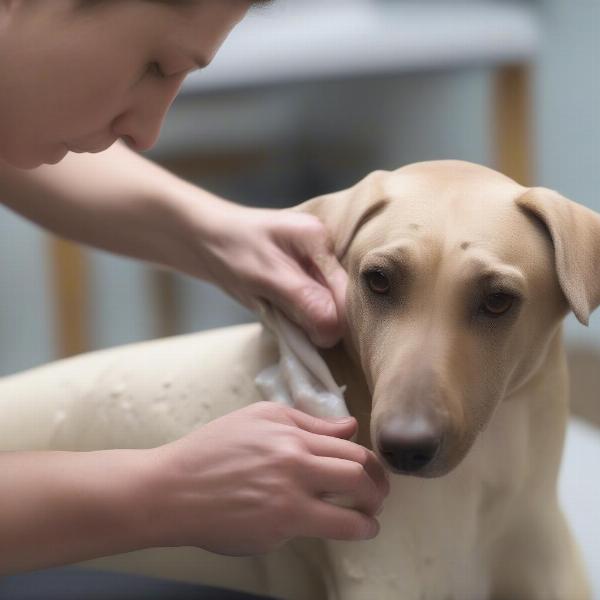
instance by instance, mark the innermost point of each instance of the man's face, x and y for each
(78, 79)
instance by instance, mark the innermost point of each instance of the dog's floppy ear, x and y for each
(345, 212)
(575, 233)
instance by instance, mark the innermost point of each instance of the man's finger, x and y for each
(335, 278)
(342, 428)
(347, 480)
(321, 445)
(325, 520)
(308, 303)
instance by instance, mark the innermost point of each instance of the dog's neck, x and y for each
(347, 372)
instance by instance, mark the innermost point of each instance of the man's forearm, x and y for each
(61, 507)
(117, 201)
(124, 203)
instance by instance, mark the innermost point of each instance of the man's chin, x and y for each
(30, 161)
(56, 156)
(23, 164)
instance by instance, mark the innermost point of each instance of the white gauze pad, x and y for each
(301, 379)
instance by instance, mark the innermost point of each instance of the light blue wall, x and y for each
(26, 335)
(568, 114)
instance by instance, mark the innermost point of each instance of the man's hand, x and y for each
(281, 256)
(124, 203)
(251, 480)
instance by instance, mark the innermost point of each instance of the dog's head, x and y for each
(458, 280)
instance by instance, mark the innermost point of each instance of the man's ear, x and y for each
(575, 233)
(345, 212)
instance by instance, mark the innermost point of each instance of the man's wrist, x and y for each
(138, 494)
(118, 482)
(63, 507)
(154, 498)
(192, 220)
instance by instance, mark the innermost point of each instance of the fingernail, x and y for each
(373, 530)
(323, 341)
(339, 420)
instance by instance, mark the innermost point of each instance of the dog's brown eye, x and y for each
(495, 305)
(377, 282)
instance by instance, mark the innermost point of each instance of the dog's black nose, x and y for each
(409, 444)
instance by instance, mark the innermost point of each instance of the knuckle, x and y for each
(279, 500)
(267, 409)
(289, 456)
(315, 229)
(315, 302)
(282, 513)
(350, 528)
(304, 222)
(356, 472)
(252, 497)
(362, 456)
(304, 292)
(298, 439)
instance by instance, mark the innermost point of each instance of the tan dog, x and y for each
(459, 279)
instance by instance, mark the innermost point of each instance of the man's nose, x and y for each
(409, 443)
(140, 125)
